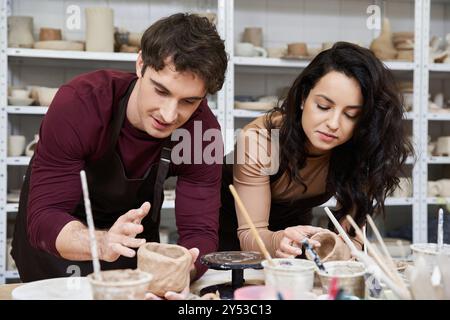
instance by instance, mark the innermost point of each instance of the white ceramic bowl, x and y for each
(14, 101)
(46, 95)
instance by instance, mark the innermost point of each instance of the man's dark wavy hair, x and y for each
(193, 44)
(364, 170)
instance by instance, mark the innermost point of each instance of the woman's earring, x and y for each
(301, 107)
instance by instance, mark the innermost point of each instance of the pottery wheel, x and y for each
(236, 261)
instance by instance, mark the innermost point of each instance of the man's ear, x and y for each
(139, 64)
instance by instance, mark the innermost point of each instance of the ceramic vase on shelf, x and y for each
(20, 32)
(100, 29)
(383, 46)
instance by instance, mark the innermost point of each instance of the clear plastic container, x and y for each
(124, 284)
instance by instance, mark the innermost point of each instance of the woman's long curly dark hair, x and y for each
(365, 169)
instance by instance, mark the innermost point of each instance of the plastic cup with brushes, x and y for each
(119, 284)
(292, 278)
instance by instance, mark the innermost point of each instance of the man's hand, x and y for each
(290, 244)
(170, 295)
(122, 235)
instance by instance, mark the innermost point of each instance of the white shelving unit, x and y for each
(255, 74)
(283, 21)
(15, 60)
(435, 79)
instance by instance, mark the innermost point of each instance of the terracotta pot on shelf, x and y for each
(47, 34)
(254, 36)
(383, 46)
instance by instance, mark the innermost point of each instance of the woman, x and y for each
(340, 134)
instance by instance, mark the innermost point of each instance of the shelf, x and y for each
(270, 62)
(398, 201)
(26, 110)
(72, 55)
(239, 113)
(388, 202)
(168, 204)
(440, 67)
(286, 63)
(399, 65)
(439, 160)
(438, 116)
(14, 207)
(43, 110)
(434, 200)
(12, 274)
(18, 161)
(410, 160)
(409, 115)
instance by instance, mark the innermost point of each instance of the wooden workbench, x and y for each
(6, 289)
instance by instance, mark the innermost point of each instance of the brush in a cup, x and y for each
(314, 255)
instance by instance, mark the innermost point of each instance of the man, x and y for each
(117, 127)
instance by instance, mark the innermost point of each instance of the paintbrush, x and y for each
(91, 227)
(314, 255)
(258, 239)
(440, 231)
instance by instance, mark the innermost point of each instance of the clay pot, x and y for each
(100, 29)
(332, 247)
(20, 32)
(439, 188)
(443, 146)
(47, 34)
(406, 55)
(253, 36)
(168, 263)
(383, 47)
(297, 49)
(134, 39)
(16, 145)
(46, 95)
(128, 49)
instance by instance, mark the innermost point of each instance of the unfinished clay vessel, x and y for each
(383, 46)
(332, 247)
(168, 263)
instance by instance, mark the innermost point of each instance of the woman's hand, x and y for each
(170, 295)
(290, 245)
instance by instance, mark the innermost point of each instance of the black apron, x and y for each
(282, 214)
(111, 193)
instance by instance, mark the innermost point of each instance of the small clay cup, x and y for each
(48, 34)
(168, 263)
(332, 247)
(297, 49)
